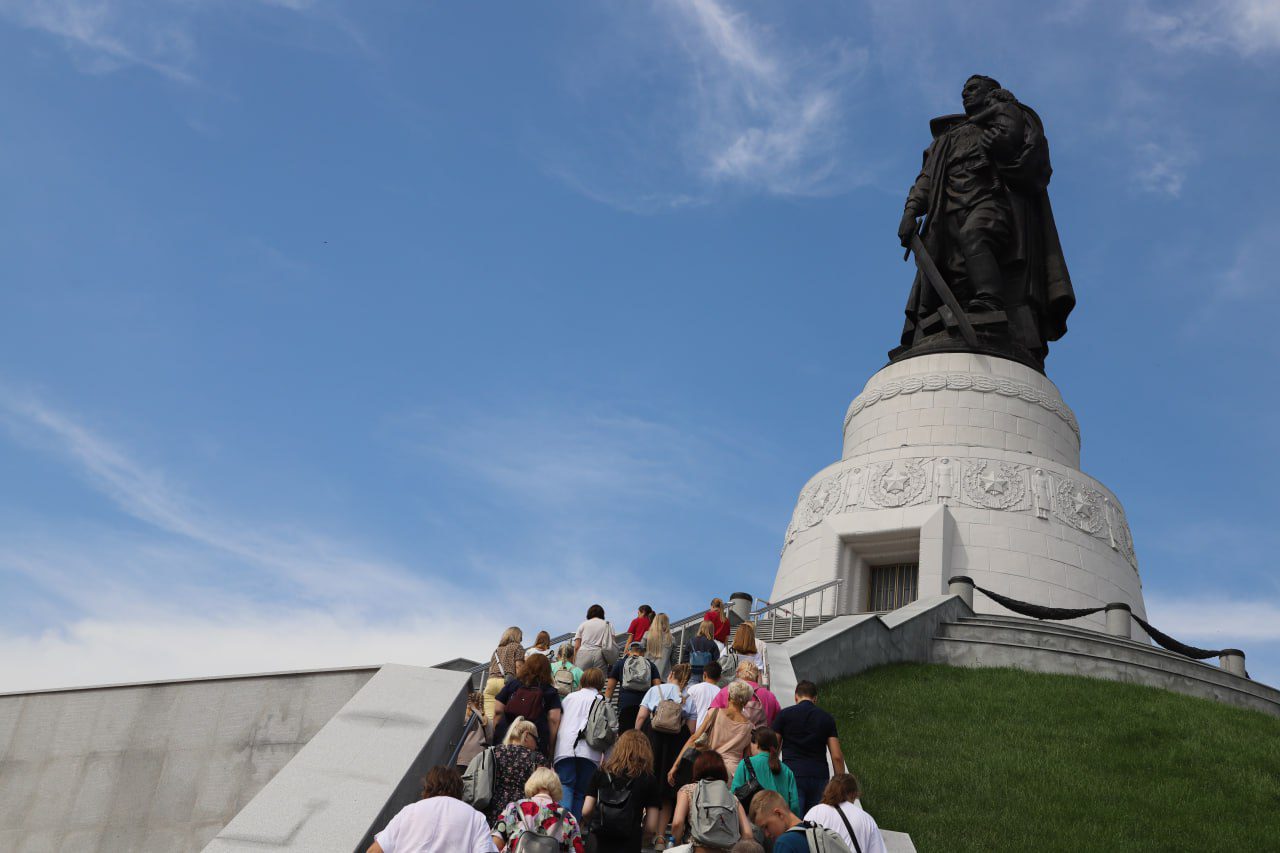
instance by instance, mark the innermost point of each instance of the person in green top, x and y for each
(564, 660)
(766, 761)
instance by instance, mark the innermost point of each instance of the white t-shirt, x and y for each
(869, 837)
(659, 692)
(437, 825)
(698, 700)
(574, 710)
(595, 634)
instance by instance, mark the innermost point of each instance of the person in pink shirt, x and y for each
(750, 673)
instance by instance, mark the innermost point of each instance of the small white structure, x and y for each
(961, 464)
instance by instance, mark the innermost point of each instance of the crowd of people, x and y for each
(622, 747)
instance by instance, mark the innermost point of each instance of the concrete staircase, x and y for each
(1003, 641)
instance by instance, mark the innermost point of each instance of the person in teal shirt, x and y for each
(564, 660)
(766, 761)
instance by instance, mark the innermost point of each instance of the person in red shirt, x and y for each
(716, 616)
(640, 625)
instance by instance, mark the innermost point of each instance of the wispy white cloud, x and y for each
(733, 107)
(1246, 27)
(1209, 618)
(199, 591)
(104, 36)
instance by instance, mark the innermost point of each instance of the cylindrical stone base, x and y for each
(740, 603)
(963, 587)
(1119, 620)
(1232, 660)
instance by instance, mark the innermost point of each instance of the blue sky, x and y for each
(334, 333)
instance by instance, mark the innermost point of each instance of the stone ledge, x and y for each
(996, 654)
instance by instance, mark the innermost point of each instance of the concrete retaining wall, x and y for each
(159, 766)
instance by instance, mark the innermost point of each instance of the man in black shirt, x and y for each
(808, 733)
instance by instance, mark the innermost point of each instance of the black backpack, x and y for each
(618, 817)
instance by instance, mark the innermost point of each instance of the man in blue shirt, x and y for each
(808, 733)
(769, 812)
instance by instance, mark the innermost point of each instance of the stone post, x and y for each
(963, 587)
(1119, 620)
(740, 603)
(1232, 660)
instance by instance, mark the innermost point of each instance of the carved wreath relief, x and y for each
(984, 483)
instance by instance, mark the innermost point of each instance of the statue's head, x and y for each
(975, 92)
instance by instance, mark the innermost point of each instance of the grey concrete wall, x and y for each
(152, 766)
(359, 770)
(851, 644)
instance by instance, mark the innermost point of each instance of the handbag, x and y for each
(610, 650)
(750, 788)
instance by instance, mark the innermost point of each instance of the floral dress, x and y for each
(540, 811)
(513, 765)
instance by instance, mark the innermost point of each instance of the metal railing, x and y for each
(792, 614)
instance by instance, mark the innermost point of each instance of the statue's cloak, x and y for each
(1039, 295)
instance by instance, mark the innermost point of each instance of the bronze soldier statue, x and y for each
(989, 230)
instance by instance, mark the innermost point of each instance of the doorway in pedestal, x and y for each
(892, 586)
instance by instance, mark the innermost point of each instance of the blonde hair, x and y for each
(740, 694)
(748, 671)
(511, 635)
(565, 654)
(657, 642)
(765, 802)
(744, 639)
(632, 755)
(706, 630)
(520, 729)
(544, 779)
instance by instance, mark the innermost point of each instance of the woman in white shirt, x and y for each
(575, 762)
(841, 813)
(438, 823)
(591, 639)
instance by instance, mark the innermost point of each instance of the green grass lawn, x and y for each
(997, 759)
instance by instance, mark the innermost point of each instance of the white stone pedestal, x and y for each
(968, 465)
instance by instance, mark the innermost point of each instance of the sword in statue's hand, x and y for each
(929, 270)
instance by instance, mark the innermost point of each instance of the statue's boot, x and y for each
(986, 280)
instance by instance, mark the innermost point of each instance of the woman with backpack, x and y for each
(727, 730)
(658, 642)
(530, 695)
(764, 769)
(623, 800)
(664, 718)
(634, 674)
(513, 763)
(538, 823)
(479, 733)
(572, 679)
(503, 663)
(698, 824)
(718, 615)
(703, 649)
(576, 761)
(747, 647)
(593, 642)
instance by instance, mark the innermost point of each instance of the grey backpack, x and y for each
(601, 729)
(636, 673)
(536, 839)
(477, 782)
(563, 680)
(821, 839)
(728, 666)
(713, 815)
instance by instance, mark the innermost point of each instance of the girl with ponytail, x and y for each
(765, 764)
